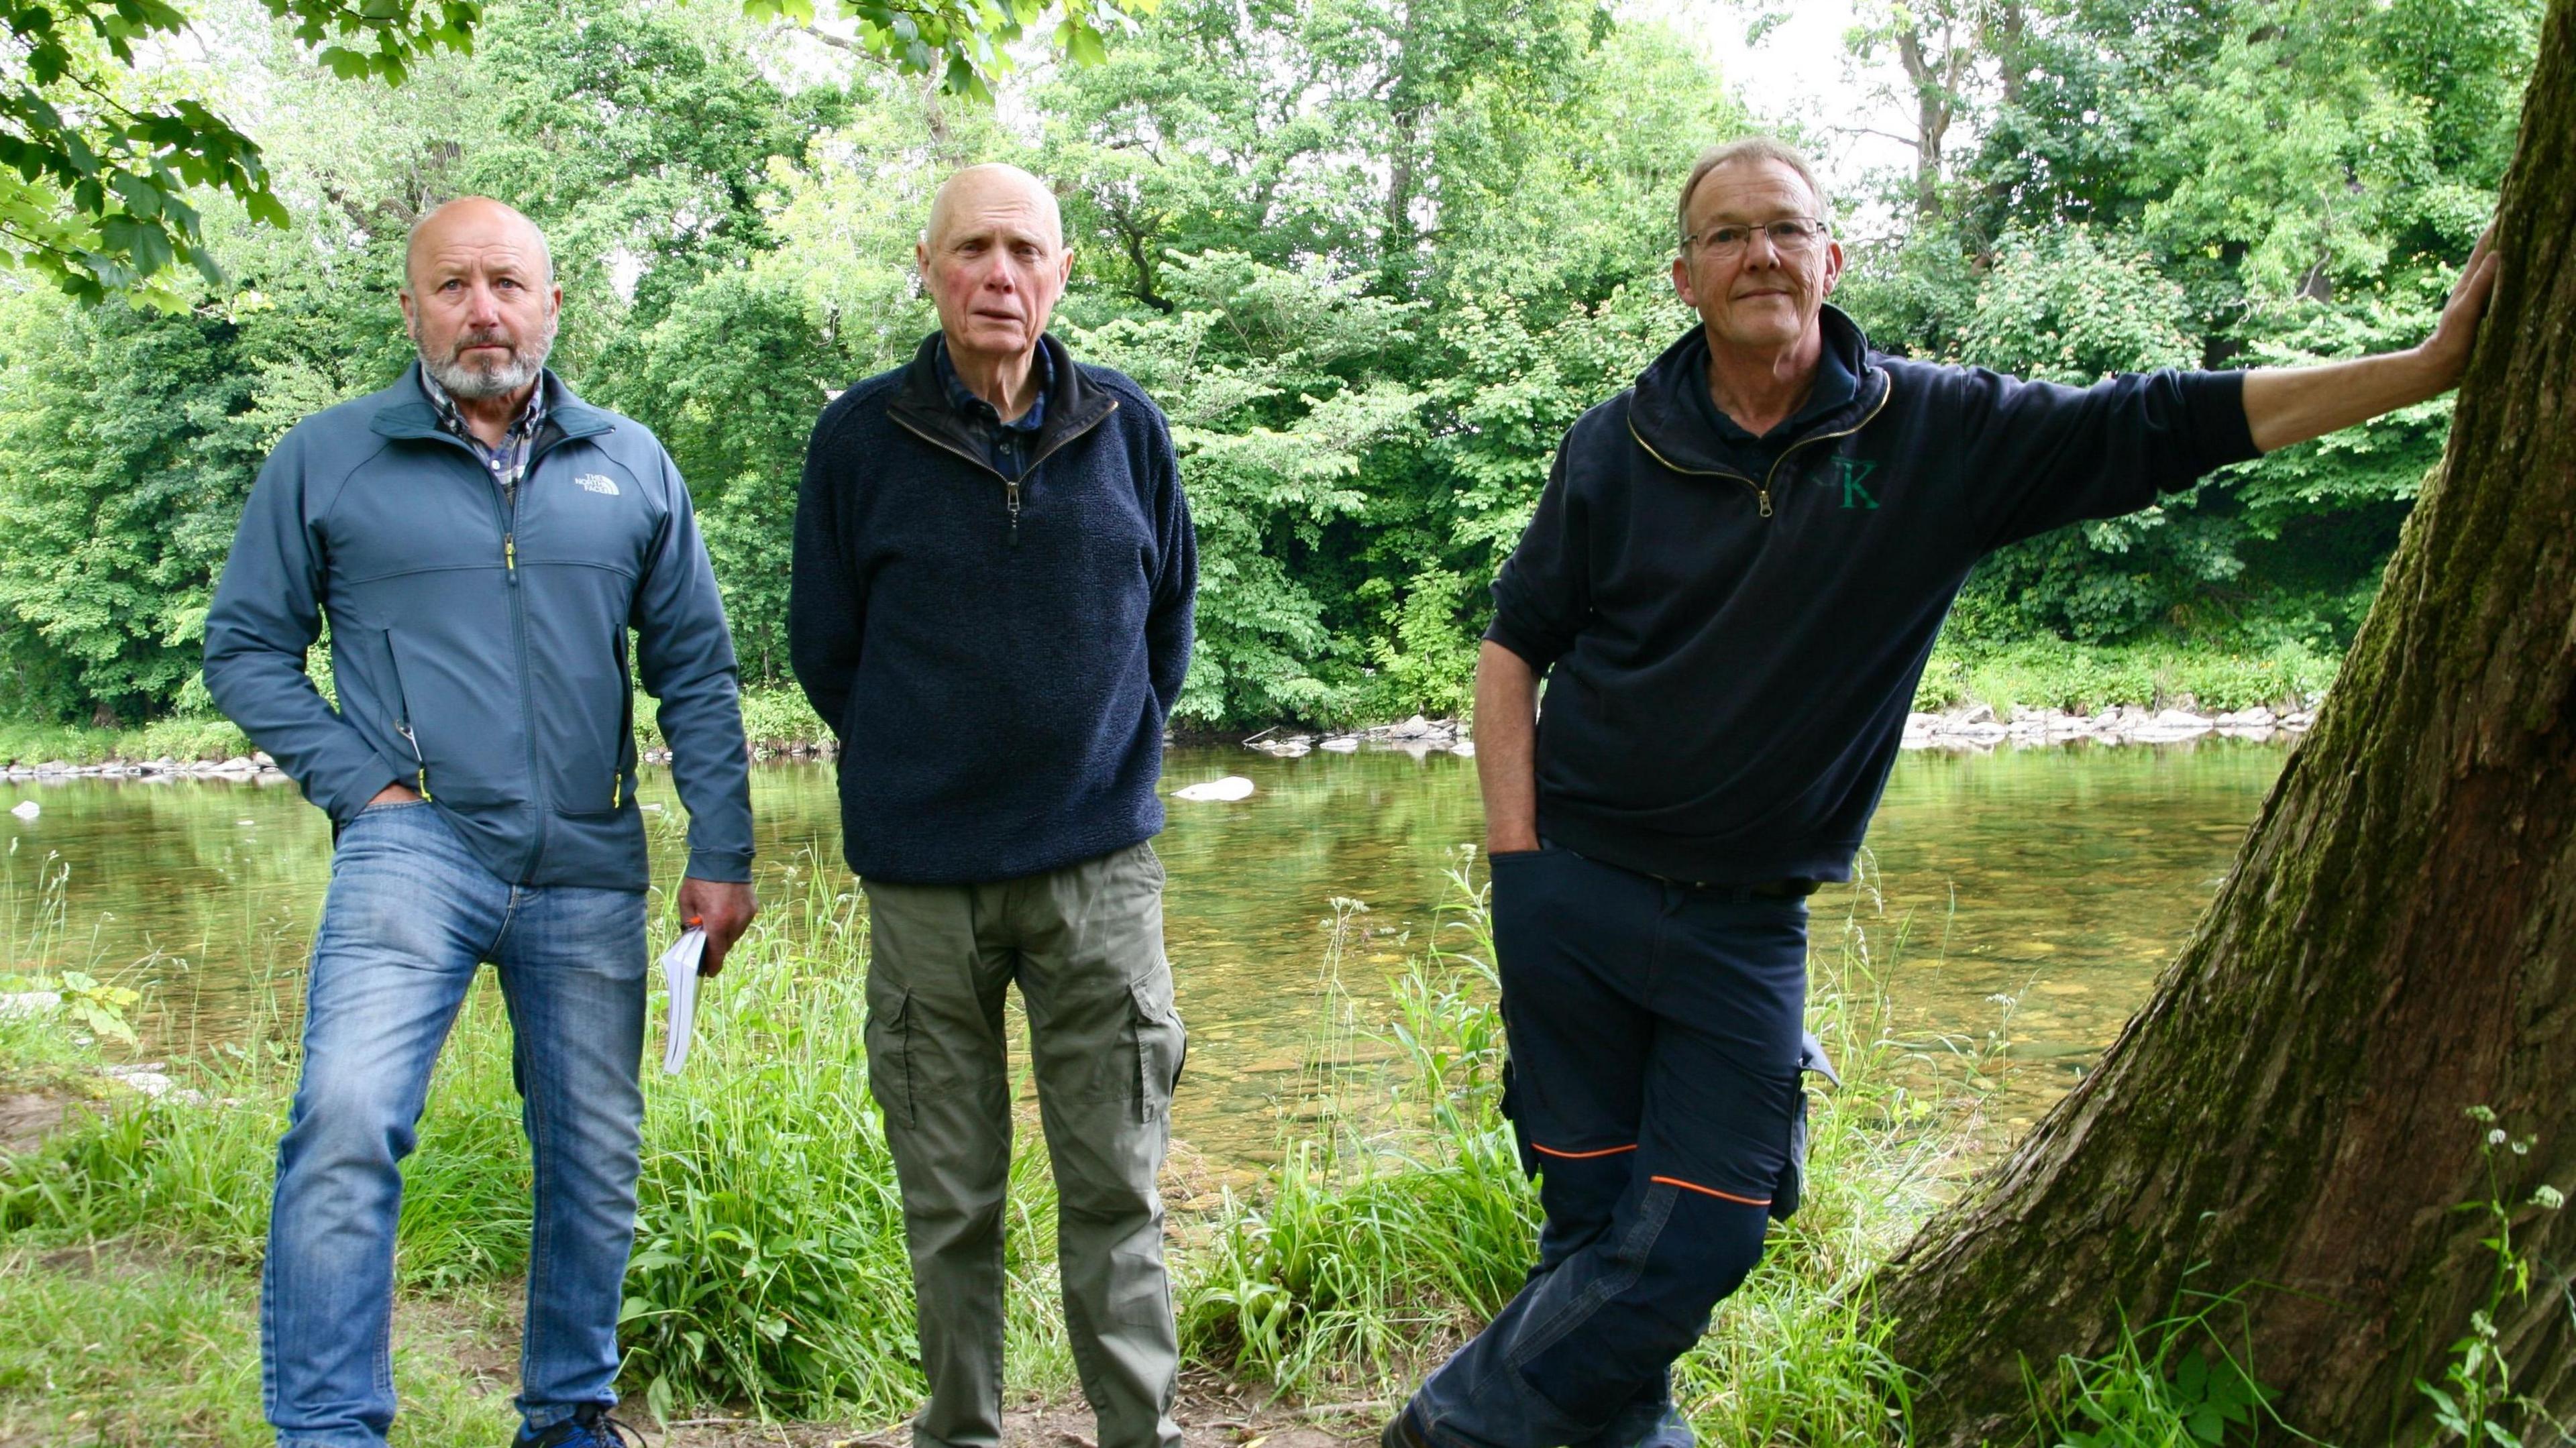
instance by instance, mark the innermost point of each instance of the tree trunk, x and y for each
(2396, 944)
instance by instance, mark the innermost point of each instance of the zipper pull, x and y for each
(403, 728)
(1766, 501)
(510, 553)
(1011, 490)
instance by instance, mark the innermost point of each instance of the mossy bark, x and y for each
(2396, 943)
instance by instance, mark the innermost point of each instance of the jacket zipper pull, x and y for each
(421, 772)
(1766, 501)
(510, 555)
(1011, 490)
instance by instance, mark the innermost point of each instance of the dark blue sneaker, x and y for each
(588, 1427)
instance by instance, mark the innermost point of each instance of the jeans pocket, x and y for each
(889, 1037)
(1162, 1044)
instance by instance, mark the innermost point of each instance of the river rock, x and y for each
(30, 1002)
(1464, 748)
(2257, 717)
(53, 766)
(2172, 724)
(27, 809)
(1232, 787)
(1343, 744)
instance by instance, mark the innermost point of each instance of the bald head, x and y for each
(994, 190)
(481, 223)
(993, 261)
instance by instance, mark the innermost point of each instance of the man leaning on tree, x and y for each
(991, 608)
(1731, 584)
(481, 541)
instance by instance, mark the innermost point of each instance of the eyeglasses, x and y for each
(1790, 236)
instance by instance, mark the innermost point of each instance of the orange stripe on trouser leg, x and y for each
(1711, 1191)
(1581, 1155)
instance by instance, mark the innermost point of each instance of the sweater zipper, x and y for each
(1010, 486)
(1762, 489)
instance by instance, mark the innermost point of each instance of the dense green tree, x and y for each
(2298, 180)
(123, 463)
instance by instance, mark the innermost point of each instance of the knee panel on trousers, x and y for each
(1579, 1195)
(1676, 1275)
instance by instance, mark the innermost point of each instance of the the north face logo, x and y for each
(593, 482)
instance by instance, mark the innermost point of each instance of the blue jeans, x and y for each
(1654, 1031)
(409, 919)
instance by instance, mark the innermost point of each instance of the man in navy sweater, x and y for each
(1732, 581)
(991, 608)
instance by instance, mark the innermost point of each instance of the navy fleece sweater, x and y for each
(998, 658)
(1731, 635)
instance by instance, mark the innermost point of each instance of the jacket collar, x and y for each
(1669, 422)
(1073, 405)
(403, 410)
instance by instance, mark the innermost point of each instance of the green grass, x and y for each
(153, 1351)
(2088, 678)
(177, 738)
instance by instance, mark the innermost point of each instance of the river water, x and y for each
(2018, 904)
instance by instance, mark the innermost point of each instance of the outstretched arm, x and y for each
(2285, 405)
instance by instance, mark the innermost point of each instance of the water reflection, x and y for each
(2037, 893)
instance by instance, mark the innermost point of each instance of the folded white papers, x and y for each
(680, 973)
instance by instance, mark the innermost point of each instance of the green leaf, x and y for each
(265, 208)
(343, 62)
(138, 193)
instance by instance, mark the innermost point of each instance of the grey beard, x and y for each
(477, 383)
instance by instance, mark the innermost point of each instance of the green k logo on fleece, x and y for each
(1854, 470)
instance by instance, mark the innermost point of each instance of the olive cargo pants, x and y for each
(1085, 945)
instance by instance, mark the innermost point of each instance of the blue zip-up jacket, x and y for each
(997, 654)
(1731, 632)
(480, 657)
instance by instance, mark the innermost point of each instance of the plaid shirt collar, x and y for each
(508, 461)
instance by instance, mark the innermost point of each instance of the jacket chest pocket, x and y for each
(583, 511)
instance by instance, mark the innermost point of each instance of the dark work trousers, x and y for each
(1654, 1031)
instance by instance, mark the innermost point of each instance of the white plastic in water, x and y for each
(1228, 789)
(27, 809)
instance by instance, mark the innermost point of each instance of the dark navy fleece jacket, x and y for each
(1731, 636)
(997, 658)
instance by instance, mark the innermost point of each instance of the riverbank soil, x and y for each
(1211, 1412)
(2289, 1122)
